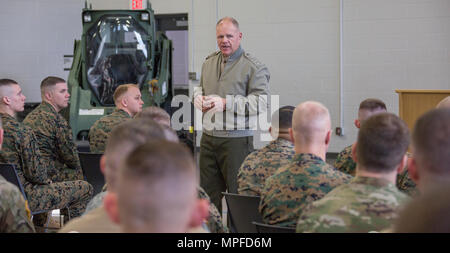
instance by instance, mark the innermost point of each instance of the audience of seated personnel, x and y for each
(127, 98)
(308, 177)
(430, 169)
(14, 212)
(53, 133)
(262, 163)
(371, 201)
(157, 191)
(20, 148)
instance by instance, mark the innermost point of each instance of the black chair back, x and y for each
(266, 228)
(242, 210)
(8, 171)
(90, 163)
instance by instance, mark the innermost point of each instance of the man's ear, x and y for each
(412, 170)
(111, 207)
(103, 164)
(124, 102)
(403, 164)
(48, 95)
(354, 156)
(328, 138)
(200, 213)
(357, 123)
(291, 134)
(6, 100)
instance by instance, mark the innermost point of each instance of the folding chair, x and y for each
(8, 171)
(90, 163)
(243, 210)
(266, 228)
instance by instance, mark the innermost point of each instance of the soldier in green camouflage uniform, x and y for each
(308, 177)
(370, 202)
(287, 192)
(54, 136)
(214, 222)
(53, 133)
(13, 210)
(20, 148)
(344, 161)
(365, 204)
(262, 163)
(99, 132)
(127, 98)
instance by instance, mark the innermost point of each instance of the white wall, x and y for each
(388, 45)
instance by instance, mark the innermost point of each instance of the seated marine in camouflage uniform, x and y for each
(127, 98)
(344, 161)
(20, 148)
(54, 135)
(262, 163)
(371, 201)
(308, 177)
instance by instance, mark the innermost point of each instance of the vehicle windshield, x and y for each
(116, 53)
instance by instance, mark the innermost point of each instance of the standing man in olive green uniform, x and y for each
(308, 177)
(371, 201)
(127, 98)
(233, 86)
(263, 163)
(20, 148)
(53, 133)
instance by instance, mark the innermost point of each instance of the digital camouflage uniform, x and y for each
(54, 136)
(365, 204)
(263, 163)
(20, 148)
(290, 189)
(214, 222)
(14, 213)
(345, 163)
(99, 132)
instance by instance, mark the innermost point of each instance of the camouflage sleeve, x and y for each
(214, 222)
(34, 171)
(13, 212)
(66, 149)
(344, 162)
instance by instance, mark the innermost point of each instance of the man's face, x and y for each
(60, 97)
(228, 38)
(134, 101)
(17, 99)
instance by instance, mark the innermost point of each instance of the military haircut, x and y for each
(5, 81)
(121, 90)
(50, 82)
(372, 104)
(284, 115)
(124, 138)
(431, 142)
(382, 142)
(310, 121)
(157, 188)
(155, 113)
(444, 103)
(230, 19)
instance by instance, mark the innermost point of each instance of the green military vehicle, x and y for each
(117, 47)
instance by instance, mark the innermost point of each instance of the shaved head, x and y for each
(6, 87)
(310, 123)
(445, 103)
